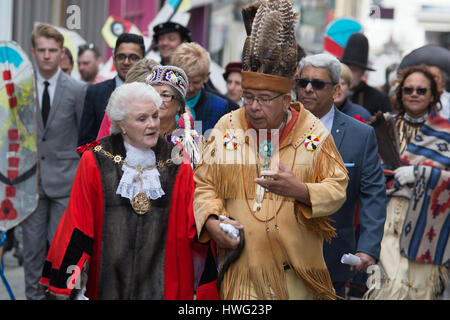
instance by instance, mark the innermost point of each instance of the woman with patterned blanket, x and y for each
(414, 251)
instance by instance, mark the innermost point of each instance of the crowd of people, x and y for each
(153, 185)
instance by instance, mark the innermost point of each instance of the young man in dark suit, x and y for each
(129, 49)
(60, 103)
(357, 144)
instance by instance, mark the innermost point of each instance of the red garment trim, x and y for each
(208, 291)
(178, 265)
(84, 212)
(92, 285)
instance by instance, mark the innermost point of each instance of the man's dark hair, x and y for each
(90, 46)
(130, 38)
(69, 55)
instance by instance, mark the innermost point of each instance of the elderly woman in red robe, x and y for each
(128, 229)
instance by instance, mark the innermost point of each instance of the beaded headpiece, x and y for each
(169, 75)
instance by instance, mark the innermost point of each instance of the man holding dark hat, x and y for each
(356, 55)
(168, 36)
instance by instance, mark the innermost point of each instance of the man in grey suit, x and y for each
(357, 144)
(60, 101)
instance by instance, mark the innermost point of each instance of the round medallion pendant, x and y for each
(141, 203)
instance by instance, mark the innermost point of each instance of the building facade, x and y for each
(218, 25)
(18, 18)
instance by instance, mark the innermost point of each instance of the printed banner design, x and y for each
(114, 27)
(337, 35)
(18, 157)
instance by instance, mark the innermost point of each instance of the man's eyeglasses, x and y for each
(263, 101)
(419, 91)
(315, 83)
(132, 57)
(166, 97)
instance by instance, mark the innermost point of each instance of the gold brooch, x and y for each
(140, 203)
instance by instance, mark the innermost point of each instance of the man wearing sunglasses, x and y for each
(316, 89)
(129, 49)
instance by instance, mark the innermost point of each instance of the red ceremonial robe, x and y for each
(83, 219)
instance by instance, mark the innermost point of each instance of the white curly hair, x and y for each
(122, 97)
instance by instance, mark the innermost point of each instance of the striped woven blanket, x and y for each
(425, 233)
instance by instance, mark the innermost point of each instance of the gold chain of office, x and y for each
(140, 201)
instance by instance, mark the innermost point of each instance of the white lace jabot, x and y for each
(129, 185)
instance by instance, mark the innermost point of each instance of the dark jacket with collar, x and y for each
(97, 97)
(352, 109)
(366, 184)
(370, 98)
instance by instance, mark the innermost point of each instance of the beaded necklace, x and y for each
(265, 148)
(265, 151)
(406, 131)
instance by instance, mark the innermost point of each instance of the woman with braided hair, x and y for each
(176, 120)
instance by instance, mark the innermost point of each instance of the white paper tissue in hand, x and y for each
(350, 259)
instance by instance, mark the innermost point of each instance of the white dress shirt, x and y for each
(327, 119)
(119, 81)
(51, 88)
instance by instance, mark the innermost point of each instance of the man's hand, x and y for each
(284, 183)
(220, 237)
(366, 261)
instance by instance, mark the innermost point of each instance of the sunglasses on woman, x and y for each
(315, 83)
(419, 91)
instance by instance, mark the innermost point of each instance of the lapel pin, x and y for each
(311, 142)
(230, 142)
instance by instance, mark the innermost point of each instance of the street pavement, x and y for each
(14, 275)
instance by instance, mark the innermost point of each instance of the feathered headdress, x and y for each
(270, 47)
